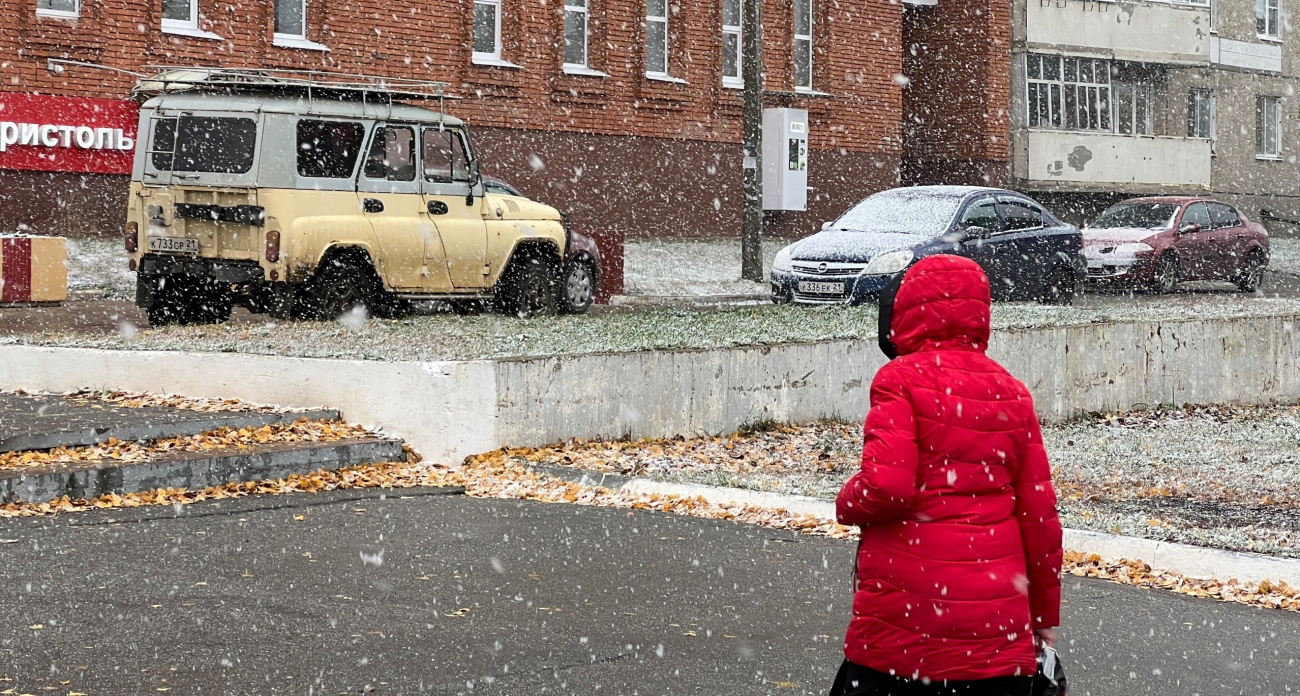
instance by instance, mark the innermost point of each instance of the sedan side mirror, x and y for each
(1189, 227)
(826, 225)
(975, 232)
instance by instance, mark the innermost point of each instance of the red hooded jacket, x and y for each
(961, 548)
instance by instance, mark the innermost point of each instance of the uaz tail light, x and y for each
(273, 245)
(131, 237)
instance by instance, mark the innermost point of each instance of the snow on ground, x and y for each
(691, 267)
(450, 337)
(1284, 255)
(1213, 476)
(100, 264)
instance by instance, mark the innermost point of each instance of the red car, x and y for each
(1158, 241)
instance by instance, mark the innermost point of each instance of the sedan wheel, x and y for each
(1251, 273)
(1164, 279)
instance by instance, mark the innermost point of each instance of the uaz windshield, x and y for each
(1145, 216)
(903, 213)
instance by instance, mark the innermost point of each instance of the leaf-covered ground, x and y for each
(496, 475)
(1227, 477)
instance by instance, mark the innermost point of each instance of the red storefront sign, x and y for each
(67, 134)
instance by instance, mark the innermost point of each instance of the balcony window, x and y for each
(1267, 18)
(487, 30)
(1268, 128)
(656, 38)
(1069, 93)
(803, 44)
(1133, 108)
(1200, 114)
(575, 33)
(58, 8)
(731, 49)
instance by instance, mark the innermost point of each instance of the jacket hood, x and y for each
(942, 302)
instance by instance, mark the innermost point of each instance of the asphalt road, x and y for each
(437, 593)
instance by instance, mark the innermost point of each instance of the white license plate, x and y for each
(821, 288)
(181, 245)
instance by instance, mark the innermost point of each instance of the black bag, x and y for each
(1050, 678)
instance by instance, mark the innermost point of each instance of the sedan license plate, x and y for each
(182, 245)
(814, 287)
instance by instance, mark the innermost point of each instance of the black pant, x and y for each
(856, 680)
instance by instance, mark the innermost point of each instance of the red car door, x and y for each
(1195, 257)
(1229, 238)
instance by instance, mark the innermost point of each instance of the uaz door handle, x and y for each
(372, 205)
(437, 208)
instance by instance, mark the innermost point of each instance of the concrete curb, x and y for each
(195, 470)
(1183, 559)
(142, 431)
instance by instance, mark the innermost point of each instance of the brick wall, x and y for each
(857, 123)
(956, 109)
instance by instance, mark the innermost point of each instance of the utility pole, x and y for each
(751, 71)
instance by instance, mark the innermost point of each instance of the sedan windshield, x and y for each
(902, 212)
(1147, 216)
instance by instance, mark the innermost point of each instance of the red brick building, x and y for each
(627, 112)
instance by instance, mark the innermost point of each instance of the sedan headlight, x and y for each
(886, 264)
(782, 261)
(1134, 248)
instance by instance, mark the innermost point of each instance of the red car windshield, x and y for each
(1148, 216)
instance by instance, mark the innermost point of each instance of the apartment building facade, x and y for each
(625, 112)
(1113, 99)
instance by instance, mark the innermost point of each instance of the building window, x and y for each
(1268, 128)
(1214, 16)
(1267, 15)
(1200, 114)
(803, 44)
(487, 30)
(180, 14)
(731, 49)
(58, 8)
(575, 33)
(291, 19)
(1069, 93)
(1133, 108)
(656, 37)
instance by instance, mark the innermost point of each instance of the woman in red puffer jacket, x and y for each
(958, 570)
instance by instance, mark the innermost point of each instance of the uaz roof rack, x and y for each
(311, 83)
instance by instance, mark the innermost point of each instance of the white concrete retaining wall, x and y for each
(444, 410)
(448, 410)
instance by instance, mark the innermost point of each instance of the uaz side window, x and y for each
(328, 149)
(219, 145)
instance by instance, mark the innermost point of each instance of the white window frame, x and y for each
(481, 57)
(1134, 91)
(660, 19)
(284, 40)
(1060, 91)
(804, 37)
(188, 27)
(1196, 99)
(1272, 20)
(738, 80)
(586, 36)
(1264, 119)
(64, 14)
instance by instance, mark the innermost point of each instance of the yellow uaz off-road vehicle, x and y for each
(309, 194)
